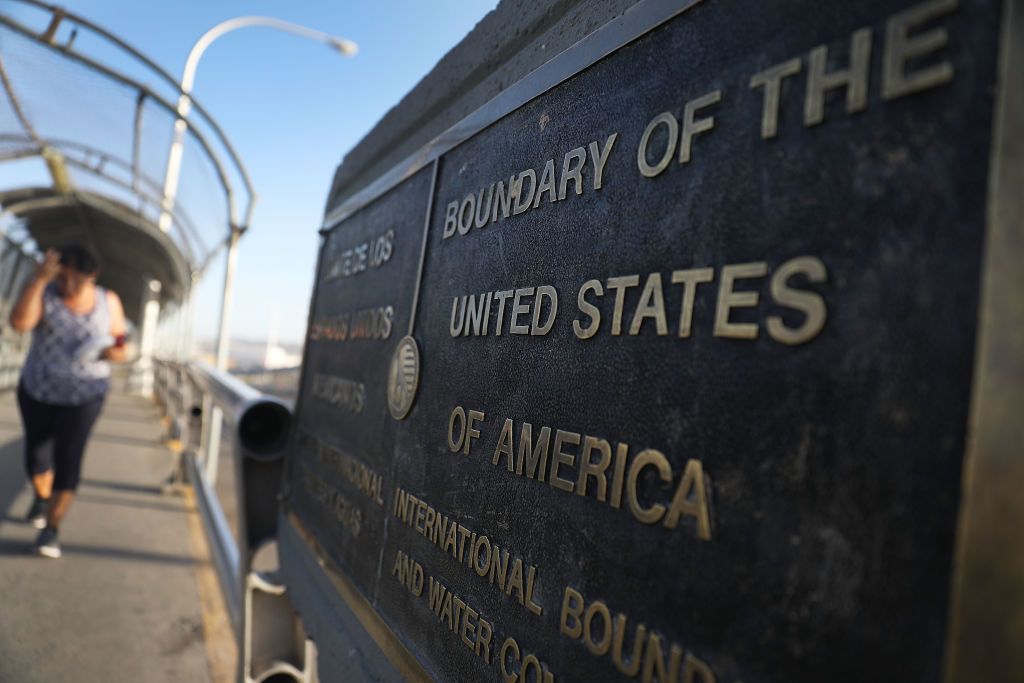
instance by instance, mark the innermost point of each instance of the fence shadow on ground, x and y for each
(12, 475)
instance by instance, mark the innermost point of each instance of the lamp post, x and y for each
(173, 173)
(344, 46)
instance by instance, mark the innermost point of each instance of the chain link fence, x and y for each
(93, 115)
(16, 266)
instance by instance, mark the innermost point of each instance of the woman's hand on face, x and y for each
(50, 267)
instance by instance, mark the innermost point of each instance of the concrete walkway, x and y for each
(122, 604)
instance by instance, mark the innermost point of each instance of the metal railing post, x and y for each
(142, 372)
(213, 439)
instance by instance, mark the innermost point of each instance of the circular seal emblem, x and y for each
(403, 377)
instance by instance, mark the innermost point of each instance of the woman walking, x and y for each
(77, 328)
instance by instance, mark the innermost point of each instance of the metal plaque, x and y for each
(663, 372)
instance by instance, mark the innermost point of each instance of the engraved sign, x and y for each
(659, 367)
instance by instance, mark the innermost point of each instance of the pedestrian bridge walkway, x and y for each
(138, 595)
(134, 597)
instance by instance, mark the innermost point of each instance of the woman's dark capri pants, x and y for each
(67, 426)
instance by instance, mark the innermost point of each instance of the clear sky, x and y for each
(292, 108)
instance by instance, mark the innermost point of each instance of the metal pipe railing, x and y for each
(264, 623)
(261, 421)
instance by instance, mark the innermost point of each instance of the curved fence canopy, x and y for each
(86, 123)
(133, 248)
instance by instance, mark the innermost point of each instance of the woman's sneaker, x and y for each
(37, 513)
(47, 544)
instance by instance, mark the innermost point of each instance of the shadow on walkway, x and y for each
(86, 497)
(13, 547)
(127, 487)
(125, 440)
(13, 480)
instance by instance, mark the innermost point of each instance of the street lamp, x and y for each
(346, 47)
(342, 45)
(212, 427)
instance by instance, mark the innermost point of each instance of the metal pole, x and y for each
(181, 329)
(223, 350)
(224, 332)
(189, 314)
(150, 315)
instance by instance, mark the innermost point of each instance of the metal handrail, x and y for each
(260, 424)
(260, 420)
(230, 393)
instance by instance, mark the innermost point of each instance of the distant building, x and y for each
(278, 357)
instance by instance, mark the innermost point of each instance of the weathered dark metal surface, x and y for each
(781, 472)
